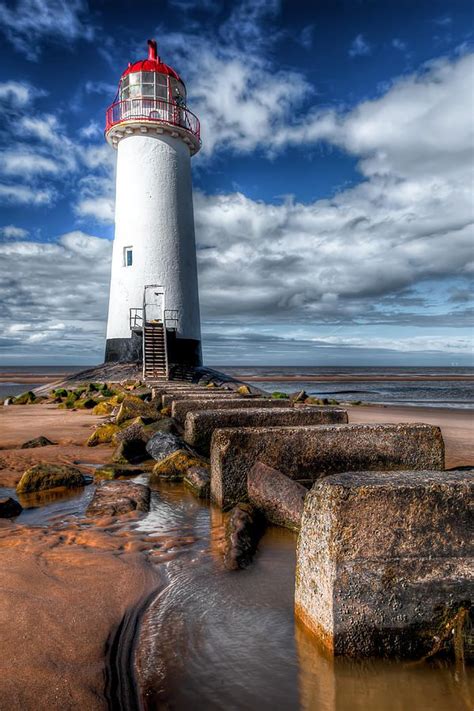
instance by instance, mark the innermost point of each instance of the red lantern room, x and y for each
(152, 97)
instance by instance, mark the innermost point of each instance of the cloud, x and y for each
(399, 44)
(13, 232)
(31, 22)
(23, 161)
(359, 47)
(19, 93)
(65, 284)
(23, 195)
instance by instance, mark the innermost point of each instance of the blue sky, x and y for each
(333, 192)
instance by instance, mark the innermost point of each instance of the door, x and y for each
(154, 303)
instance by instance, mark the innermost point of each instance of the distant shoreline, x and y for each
(348, 378)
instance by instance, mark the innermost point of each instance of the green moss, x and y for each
(279, 396)
(25, 398)
(175, 466)
(102, 435)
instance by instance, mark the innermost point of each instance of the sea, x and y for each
(447, 387)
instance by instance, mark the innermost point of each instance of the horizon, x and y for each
(331, 195)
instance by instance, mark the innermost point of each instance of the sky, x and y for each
(333, 193)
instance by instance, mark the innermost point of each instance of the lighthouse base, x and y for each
(181, 351)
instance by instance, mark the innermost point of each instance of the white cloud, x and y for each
(19, 93)
(65, 285)
(100, 208)
(359, 47)
(31, 21)
(24, 195)
(13, 232)
(24, 161)
(399, 44)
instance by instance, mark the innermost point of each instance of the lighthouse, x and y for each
(154, 303)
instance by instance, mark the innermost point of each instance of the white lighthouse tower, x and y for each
(154, 302)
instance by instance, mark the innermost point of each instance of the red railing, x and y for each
(143, 109)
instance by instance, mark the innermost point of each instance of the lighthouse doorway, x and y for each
(153, 304)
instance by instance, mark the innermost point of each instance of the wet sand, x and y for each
(457, 426)
(64, 587)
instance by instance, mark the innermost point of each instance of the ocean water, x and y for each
(18, 385)
(422, 387)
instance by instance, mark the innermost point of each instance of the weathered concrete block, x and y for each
(309, 453)
(168, 398)
(278, 497)
(384, 561)
(199, 425)
(180, 408)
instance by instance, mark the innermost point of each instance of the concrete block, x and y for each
(180, 408)
(279, 498)
(167, 398)
(308, 453)
(199, 425)
(385, 562)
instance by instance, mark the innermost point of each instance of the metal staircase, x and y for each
(155, 355)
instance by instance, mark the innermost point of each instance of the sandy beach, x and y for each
(65, 586)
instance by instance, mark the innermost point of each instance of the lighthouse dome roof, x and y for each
(152, 64)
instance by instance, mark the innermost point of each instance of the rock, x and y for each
(37, 442)
(60, 392)
(9, 508)
(8, 401)
(198, 479)
(200, 424)
(383, 563)
(162, 444)
(113, 498)
(134, 430)
(132, 407)
(25, 398)
(180, 408)
(103, 434)
(49, 476)
(307, 453)
(300, 396)
(103, 408)
(279, 396)
(117, 471)
(166, 424)
(242, 534)
(175, 466)
(280, 499)
(244, 390)
(131, 451)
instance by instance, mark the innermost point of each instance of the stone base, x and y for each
(384, 562)
(182, 352)
(123, 350)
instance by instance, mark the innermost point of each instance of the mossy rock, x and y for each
(313, 401)
(175, 466)
(87, 404)
(40, 441)
(117, 471)
(211, 385)
(279, 396)
(103, 408)
(132, 407)
(165, 424)
(49, 476)
(165, 412)
(130, 451)
(25, 398)
(60, 392)
(244, 390)
(102, 435)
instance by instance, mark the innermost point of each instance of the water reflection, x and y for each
(42, 507)
(218, 639)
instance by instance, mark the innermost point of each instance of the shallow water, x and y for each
(54, 505)
(214, 639)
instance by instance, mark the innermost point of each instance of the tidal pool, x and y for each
(214, 639)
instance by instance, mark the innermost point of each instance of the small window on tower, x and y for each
(127, 257)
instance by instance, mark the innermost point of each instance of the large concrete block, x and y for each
(311, 452)
(167, 398)
(180, 408)
(278, 497)
(384, 562)
(199, 425)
